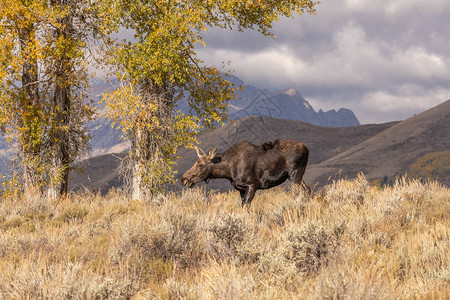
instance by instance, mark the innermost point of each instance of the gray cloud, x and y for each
(386, 60)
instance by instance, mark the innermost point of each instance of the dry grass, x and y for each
(350, 241)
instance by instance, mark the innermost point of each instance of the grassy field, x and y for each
(349, 241)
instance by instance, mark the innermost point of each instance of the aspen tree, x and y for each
(160, 65)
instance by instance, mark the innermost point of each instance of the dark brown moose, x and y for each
(250, 167)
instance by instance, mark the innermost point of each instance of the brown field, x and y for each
(348, 241)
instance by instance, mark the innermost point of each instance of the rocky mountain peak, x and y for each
(290, 92)
(287, 104)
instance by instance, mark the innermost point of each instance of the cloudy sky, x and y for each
(386, 59)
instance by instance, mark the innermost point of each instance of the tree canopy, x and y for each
(43, 75)
(43, 80)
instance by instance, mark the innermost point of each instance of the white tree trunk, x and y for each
(136, 181)
(136, 193)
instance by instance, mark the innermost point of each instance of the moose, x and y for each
(250, 167)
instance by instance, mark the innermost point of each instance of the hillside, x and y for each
(378, 150)
(392, 151)
(323, 142)
(98, 173)
(435, 165)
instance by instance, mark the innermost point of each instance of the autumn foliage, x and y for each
(44, 48)
(43, 83)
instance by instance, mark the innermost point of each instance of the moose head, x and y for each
(201, 170)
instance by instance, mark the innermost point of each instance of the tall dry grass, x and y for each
(349, 241)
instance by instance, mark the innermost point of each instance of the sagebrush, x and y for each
(347, 241)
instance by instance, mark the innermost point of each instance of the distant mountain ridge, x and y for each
(285, 104)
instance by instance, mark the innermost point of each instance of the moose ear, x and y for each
(200, 152)
(212, 153)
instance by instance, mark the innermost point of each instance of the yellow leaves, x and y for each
(42, 67)
(20, 42)
(123, 106)
(21, 14)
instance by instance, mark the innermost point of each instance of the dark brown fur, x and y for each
(270, 145)
(250, 167)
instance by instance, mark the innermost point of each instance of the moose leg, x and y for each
(298, 170)
(248, 195)
(297, 177)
